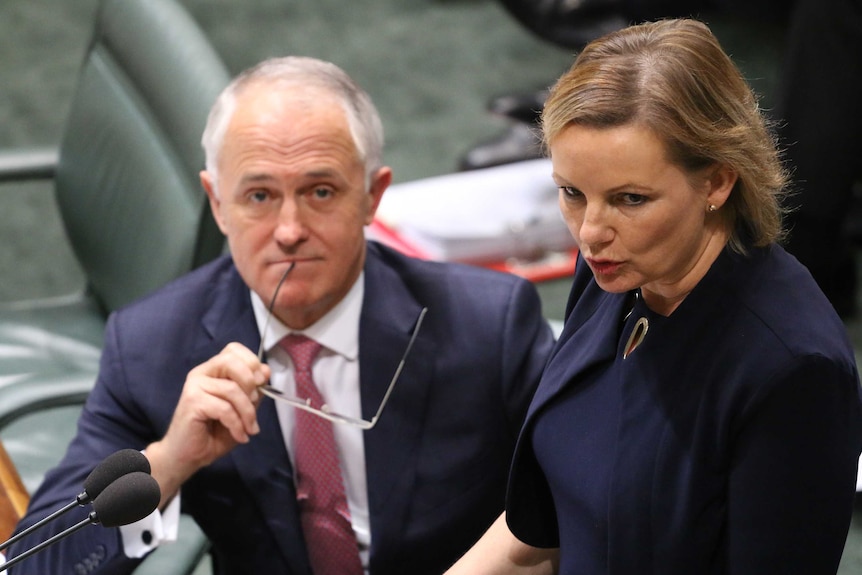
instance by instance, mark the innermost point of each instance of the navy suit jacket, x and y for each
(436, 462)
(737, 435)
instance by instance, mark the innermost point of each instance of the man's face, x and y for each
(292, 189)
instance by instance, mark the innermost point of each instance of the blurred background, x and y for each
(431, 66)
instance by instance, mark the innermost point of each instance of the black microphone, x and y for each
(111, 468)
(128, 499)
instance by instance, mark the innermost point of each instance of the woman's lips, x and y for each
(603, 267)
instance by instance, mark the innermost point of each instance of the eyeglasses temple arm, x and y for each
(400, 366)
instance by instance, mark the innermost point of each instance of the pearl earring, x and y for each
(712, 208)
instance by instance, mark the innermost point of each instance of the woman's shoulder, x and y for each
(775, 304)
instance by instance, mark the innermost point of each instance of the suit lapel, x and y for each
(388, 318)
(264, 467)
(262, 463)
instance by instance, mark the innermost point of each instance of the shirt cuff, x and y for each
(158, 527)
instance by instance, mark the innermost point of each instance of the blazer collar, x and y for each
(593, 327)
(590, 336)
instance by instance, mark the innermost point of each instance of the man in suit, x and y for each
(293, 175)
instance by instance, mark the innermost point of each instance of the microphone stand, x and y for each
(37, 525)
(92, 519)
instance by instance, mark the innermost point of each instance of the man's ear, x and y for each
(380, 181)
(215, 203)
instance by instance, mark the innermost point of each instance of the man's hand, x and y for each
(217, 410)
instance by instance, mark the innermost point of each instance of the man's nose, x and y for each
(291, 225)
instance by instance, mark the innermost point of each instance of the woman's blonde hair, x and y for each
(673, 77)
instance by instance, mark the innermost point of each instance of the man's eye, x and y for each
(322, 193)
(258, 196)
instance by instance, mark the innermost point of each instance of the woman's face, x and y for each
(639, 220)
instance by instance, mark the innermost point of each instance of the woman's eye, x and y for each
(570, 191)
(632, 199)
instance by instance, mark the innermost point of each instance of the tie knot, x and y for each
(301, 350)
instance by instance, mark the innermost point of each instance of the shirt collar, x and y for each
(337, 331)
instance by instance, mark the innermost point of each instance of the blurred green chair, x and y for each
(125, 177)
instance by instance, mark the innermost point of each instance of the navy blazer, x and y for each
(436, 462)
(738, 432)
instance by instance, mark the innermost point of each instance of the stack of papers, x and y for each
(480, 216)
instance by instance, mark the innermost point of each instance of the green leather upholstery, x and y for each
(126, 184)
(127, 179)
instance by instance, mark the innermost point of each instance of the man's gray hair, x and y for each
(306, 75)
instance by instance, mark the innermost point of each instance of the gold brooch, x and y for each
(637, 336)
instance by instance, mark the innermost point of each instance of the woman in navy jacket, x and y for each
(701, 411)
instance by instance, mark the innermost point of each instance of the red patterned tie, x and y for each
(329, 537)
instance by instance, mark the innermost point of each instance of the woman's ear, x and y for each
(719, 185)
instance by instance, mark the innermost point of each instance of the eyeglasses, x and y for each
(325, 411)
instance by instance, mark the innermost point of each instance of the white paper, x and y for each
(482, 215)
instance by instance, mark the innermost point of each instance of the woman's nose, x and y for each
(594, 228)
